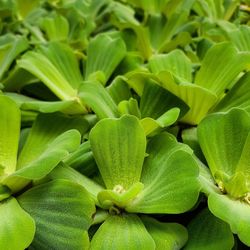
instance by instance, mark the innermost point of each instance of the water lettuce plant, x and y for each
(124, 124)
(33, 216)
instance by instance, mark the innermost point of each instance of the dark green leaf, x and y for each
(62, 211)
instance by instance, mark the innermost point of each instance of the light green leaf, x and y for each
(150, 6)
(55, 152)
(46, 143)
(207, 232)
(235, 212)
(227, 133)
(168, 118)
(32, 104)
(119, 147)
(166, 235)
(40, 66)
(238, 96)
(217, 73)
(25, 7)
(45, 129)
(10, 130)
(55, 27)
(206, 179)
(17, 228)
(180, 40)
(10, 47)
(129, 107)
(122, 232)
(104, 54)
(200, 100)
(118, 197)
(62, 211)
(137, 79)
(169, 176)
(175, 62)
(70, 107)
(240, 36)
(211, 9)
(125, 20)
(93, 94)
(64, 59)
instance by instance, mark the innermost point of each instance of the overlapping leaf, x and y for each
(62, 211)
(166, 235)
(169, 176)
(208, 232)
(122, 232)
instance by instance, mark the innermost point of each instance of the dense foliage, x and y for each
(124, 124)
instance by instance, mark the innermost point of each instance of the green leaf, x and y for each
(137, 80)
(238, 96)
(62, 211)
(17, 228)
(119, 147)
(175, 62)
(206, 179)
(12, 81)
(56, 28)
(217, 73)
(63, 171)
(122, 232)
(44, 69)
(45, 130)
(32, 104)
(240, 36)
(82, 159)
(10, 130)
(70, 107)
(104, 54)
(48, 143)
(207, 232)
(227, 133)
(199, 100)
(155, 100)
(96, 96)
(189, 137)
(180, 40)
(119, 197)
(129, 107)
(125, 20)
(151, 6)
(169, 176)
(235, 212)
(166, 235)
(119, 90)
(10, 47)
(168, 118)
(177, 13)
(64, 59)
(56, 151)
(25, 7)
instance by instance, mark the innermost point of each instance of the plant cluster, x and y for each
(124, 124)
